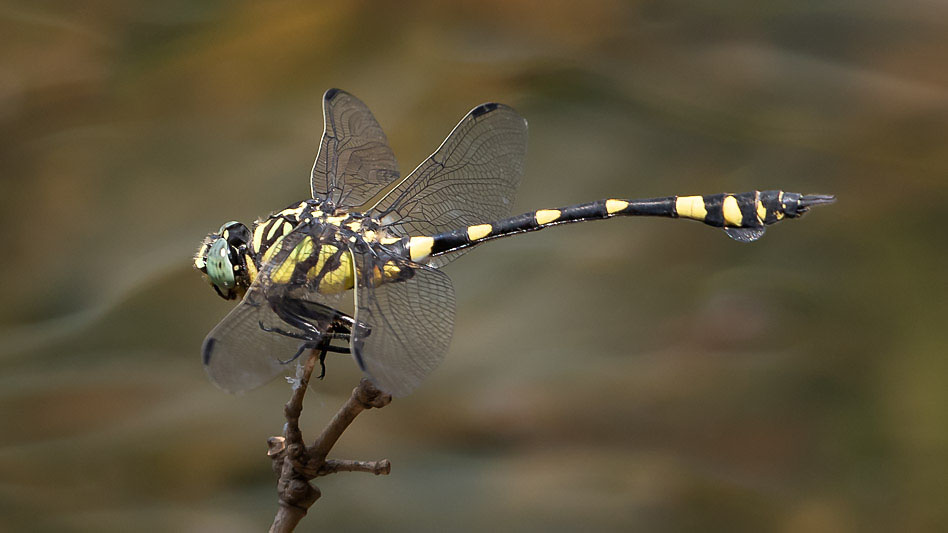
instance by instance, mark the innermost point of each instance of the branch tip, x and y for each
(370, 396)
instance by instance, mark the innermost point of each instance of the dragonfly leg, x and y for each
(338, 331)
(286, 333)
(322, 345)
(303, 347)
(350, 324)
(322, 361)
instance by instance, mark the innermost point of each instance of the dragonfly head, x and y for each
(222, 260)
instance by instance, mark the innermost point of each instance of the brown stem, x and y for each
(294, 489)
(296, 464)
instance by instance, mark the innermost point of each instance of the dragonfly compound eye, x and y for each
(221, 259)
(220, 269)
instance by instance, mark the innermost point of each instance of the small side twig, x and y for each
(383, 467)
(296, 464)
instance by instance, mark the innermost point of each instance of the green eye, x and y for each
(219, 267)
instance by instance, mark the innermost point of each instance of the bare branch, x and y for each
(296, 465)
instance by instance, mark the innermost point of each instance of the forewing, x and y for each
(472, 178)
(403, 328)
(354, 162)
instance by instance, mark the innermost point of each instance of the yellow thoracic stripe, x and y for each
(274, 226)
(691, 207)
(258, 236)
(294, 211)
(732, 212)
(761, 211)
(326, 251)
(545, 216)
(478, 232)
(614, 206)
(340, 278)
(301, 252)
(251, 267)
(273, 250)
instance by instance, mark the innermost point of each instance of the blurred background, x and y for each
(636, 374)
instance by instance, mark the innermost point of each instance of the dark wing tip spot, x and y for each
(207, 349)
(483, 109)
(356, 350)
(331, 93)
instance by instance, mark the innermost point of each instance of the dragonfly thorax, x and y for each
(318, 254)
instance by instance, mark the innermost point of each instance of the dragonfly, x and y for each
(356, 268)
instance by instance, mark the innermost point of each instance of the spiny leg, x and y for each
(300, 315)
(322, 362)
(322, 345)
(347, 323)
(285, 333)
(337, 331)
(309, 344)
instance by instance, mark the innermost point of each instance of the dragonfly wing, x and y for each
(402, 328)
(472, 178)
(354, 162)
(241, 354)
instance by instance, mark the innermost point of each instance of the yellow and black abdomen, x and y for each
(745, 210)
(742, 216)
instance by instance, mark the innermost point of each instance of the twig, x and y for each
(383, 467)
(296, 465)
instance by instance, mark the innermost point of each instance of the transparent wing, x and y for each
(402, 328)
(354, 162)
(271, 325)
(239, 354)
(471, 178)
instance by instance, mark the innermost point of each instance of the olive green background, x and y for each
(648, 375)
